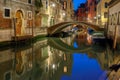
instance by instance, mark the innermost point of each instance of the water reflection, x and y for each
(45, 60)
(84, 68)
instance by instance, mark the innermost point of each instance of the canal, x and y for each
(70, 58)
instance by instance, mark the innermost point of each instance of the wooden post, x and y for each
(14, 21)
(115, 37)
(32, 29)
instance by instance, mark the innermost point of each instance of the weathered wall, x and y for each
(114, 21)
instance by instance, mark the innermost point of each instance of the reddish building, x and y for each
(91, 10)
(16, 18)
(82, 12)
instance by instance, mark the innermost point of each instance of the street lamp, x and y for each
(53, 4)
(53, 66)
(95, 17)
(64, 14)
(99, 15)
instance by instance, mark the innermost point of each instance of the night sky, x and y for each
(77, 3)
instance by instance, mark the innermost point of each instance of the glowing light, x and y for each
(65, 69)
(99, 15)
(64, 14)
(53, 66)
(95, 17)
(53, 5)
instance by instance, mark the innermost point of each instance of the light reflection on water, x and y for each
(45, 61)
(85, 68)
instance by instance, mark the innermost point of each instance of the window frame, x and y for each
(30, 2)
(29, 15)
(106, 5)
(4, 16)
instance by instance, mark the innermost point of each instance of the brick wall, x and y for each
(4, 22)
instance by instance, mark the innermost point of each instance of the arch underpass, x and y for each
(58, 27)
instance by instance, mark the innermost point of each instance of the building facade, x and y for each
(114, 22)
(16, 18)
(82, 12)
(50, 13)
(91, 11)
(68, 7)
(87, 11)
(32, 17)
(102, 12)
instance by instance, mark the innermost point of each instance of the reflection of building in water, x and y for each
(64, 68)
(69, 40)
(42, 62)
(23, 62)
(89, 39)
(52, 63)
(41, 50)
(18, 63)
(114, 66)
(108, 58)
(67, 63)
(81, 39)
(31, 59)
(6, 64)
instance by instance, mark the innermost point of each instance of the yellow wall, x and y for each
(100, 11)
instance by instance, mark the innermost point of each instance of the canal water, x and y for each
(70, 58)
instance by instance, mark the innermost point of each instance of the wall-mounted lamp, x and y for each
(64, 14)
(53, 4)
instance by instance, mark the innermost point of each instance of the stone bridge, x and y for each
(58, 27)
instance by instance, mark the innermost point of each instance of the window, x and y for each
(46, 4)
(65, 5)
(95, 9)
(105, 15)
(7, 12)
(29, 1)
(106, 4)
(29, 13)
(8, 76)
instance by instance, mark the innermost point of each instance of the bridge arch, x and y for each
(58, 27)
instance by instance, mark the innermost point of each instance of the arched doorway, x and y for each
(19, 23)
